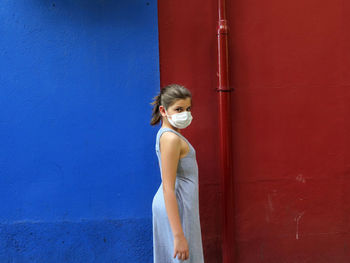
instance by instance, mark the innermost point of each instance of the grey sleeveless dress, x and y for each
(186, 190)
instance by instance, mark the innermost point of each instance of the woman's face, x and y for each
(180, 105)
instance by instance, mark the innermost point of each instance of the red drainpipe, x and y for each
(225, 137)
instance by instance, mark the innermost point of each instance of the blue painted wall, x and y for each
(78, 169)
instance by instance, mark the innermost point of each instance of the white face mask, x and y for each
(180, 120)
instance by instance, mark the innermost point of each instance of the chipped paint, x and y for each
(297, 219)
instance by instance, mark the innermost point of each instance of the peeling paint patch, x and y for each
(301, 178)
(269, 199)
(297, 219)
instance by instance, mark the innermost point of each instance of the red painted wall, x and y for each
(289, 64)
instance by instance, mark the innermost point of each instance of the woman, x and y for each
(175, 206)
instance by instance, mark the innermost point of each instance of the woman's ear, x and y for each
(161, 110)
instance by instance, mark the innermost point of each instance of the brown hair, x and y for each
(167, 97)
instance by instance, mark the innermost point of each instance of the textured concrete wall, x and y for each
(77, 164)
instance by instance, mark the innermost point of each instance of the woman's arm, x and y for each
(170, 154)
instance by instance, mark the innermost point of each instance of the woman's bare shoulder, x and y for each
(169, 137)
(169, 140)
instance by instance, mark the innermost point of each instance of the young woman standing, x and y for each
(175, 206)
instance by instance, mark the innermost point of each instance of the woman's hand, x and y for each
(181, 247)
